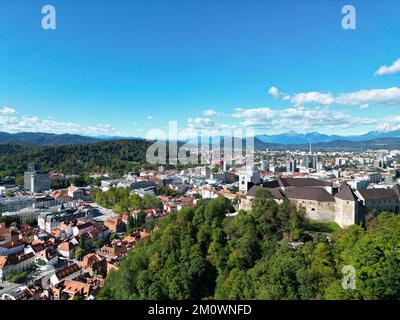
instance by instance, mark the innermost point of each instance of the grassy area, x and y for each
(317, 226)
(18, 277)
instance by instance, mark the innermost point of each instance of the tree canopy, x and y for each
(200, 253)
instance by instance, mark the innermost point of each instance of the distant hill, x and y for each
(44, 139)
(232, 142)
(371, 140)
(294, 138)
(338, 144)
(118, 138)
(380, 143)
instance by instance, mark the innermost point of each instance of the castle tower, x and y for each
(346, 206)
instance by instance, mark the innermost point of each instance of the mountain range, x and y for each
(372, 139)
(294, 138)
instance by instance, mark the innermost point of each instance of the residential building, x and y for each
(15, 263)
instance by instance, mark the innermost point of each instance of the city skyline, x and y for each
(122, 69)
(194, 150)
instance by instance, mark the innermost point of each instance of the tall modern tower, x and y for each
(291, 165)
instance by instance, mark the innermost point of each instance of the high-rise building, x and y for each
(310, 160)
(381, 163)
(265, 165)
(206, 171)
(291, 165)
(36, 180)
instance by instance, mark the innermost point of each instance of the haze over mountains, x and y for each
(293, 137)
(373, 139)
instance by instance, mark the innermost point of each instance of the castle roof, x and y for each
(378, 194)
(302, 182)
(396, 189)
(346, 193)
(310, 193)
(275, 192)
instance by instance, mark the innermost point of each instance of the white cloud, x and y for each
(149, 117)
(315, 97)
(394, 68)
(200, 123)
(211, 112)
(364, 106)
(361, 97)
(390, 124)
(7, 110)
(206, 127)
(254, 113)
(373, 96)
(10, 122)
(274, 91)
(298, 118)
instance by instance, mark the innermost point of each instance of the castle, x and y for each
(319, 201)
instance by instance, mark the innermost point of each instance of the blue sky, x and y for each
(124, 67)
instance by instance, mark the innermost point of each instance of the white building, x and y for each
(48, 220)
(15, 264)
(251, 174)
(29, 214)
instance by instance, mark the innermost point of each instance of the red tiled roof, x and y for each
(67, 271)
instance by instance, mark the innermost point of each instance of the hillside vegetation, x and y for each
(199, 253)
(107, 156)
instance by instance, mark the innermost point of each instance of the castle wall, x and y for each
(382, 205)
(345, 212)
(246, 203)
(320, 211)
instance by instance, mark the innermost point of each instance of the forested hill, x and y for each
(44, 139)
(106, 156)
(198, 253)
